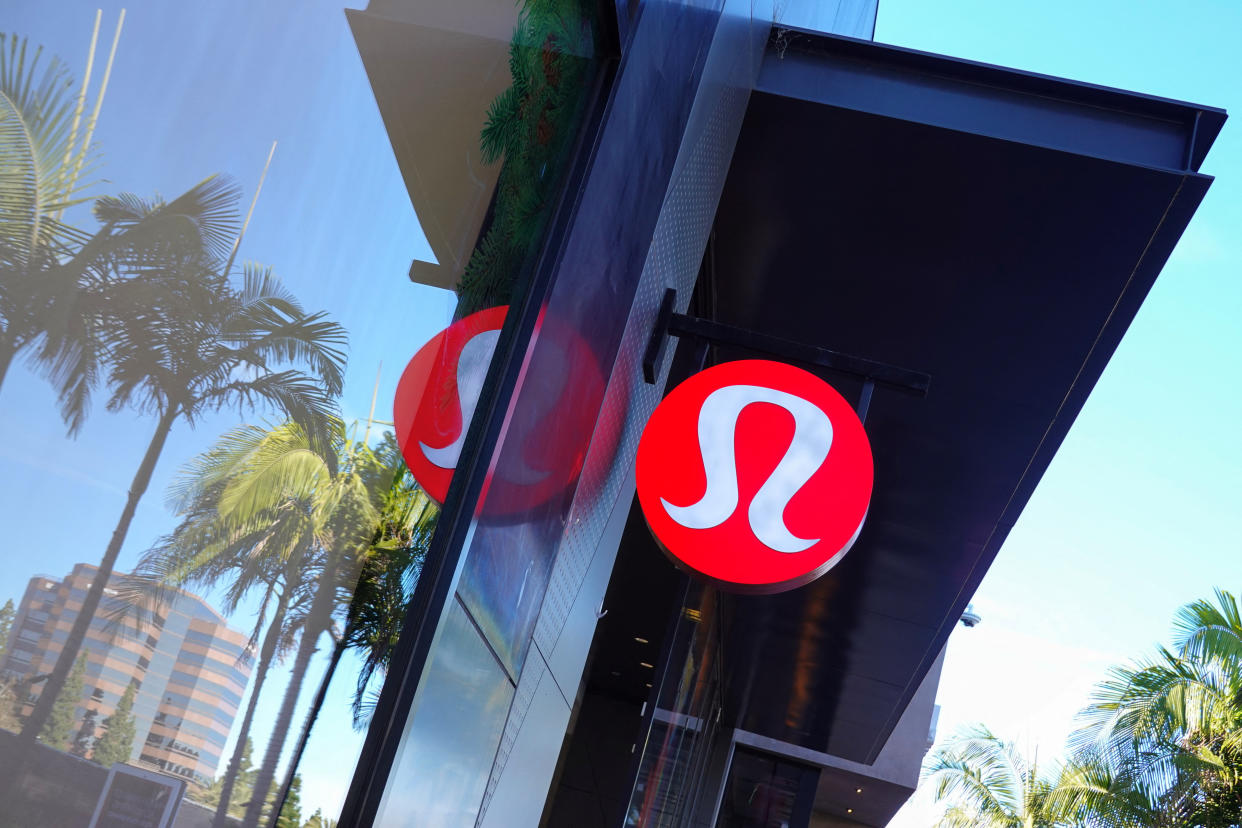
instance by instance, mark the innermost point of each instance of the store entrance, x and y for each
(765, 791)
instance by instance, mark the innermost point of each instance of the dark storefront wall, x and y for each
(537, 620)
(995, 229)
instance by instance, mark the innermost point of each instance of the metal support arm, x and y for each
(669, 324)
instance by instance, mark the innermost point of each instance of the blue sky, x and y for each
(1136, 516)
(1141, 511)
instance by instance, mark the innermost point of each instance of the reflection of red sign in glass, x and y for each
(546, 432)
(755, 474)
(437, 395)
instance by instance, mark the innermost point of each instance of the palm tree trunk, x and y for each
(69, 653)
(317, 621)
(266, 653)
(8, 349)
(337, 651)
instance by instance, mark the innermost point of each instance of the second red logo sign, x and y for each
(755, 474)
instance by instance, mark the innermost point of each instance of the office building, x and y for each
(188, 666)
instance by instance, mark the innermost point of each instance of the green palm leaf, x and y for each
(36, 108)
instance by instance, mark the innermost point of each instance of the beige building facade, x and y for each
(190, 670)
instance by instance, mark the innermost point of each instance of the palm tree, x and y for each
(108, 280)
(1091, 792)
(270, 503)
(1211, 633)
(343, 500)
(40, 162)
(262, 510)
(204, 551)
(189, 342)
(376, 608)
(1172, 724)
(989, 784)
(389, 574)
(230, 535)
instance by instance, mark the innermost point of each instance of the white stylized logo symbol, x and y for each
(716, 430)
(472, 365)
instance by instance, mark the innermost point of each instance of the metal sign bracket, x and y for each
(669, 323)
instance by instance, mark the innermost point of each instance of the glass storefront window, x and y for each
(224, 230)
(766, 792)
(685, 722)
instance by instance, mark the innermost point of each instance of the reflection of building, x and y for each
(187, 668)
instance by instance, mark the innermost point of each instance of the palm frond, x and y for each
(263, 336)
(292, 392)
(213, 467)
(1169, 728)
(261, 286)
(295, 474)
(1210, 632)
(201, 222)
(36, 107)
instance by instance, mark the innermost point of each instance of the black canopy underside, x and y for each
(993, 228)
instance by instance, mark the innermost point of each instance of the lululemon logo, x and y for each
(717, 429)
(755, 474)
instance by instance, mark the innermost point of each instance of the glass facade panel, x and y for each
(767, 792)
(686, 720)
(446, 753)
(510, 558)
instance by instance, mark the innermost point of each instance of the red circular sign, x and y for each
(546, 434)
(437, 394)
(755, 474)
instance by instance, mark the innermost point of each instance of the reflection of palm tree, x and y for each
(40, 158)
(187, 343)
(340, 495)
(206, 550)
(376, 609)
(269, 504)
(257, 510)
(389, 574)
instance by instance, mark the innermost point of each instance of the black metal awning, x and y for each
(995, 229)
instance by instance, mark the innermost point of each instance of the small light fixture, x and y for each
(849, 810)
(648, 684)
(858, 790)
(645, 664)
(641, 640)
